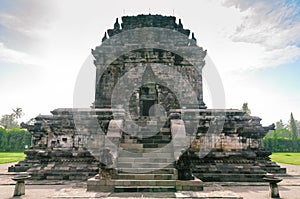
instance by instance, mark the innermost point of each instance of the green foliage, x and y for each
(284, 138)
(281, 131)
(9, 121)
(281, 144)
(8, 157)
(14, 139)
(246, 109)
(293, 131)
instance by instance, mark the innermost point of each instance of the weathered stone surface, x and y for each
(20, 184)
(160, 139)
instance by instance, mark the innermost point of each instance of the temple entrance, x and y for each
(147, 104)
(148, 99)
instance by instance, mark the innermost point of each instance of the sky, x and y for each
(254, 44)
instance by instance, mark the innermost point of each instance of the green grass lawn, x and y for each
(8, 157)
(287, 158)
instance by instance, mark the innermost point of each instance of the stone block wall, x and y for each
(222, 143)
(234, 152)
(175, 60)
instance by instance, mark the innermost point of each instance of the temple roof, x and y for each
(141, 21)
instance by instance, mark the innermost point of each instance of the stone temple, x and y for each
(148, 128)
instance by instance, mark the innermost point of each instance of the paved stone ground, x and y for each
(289, 189)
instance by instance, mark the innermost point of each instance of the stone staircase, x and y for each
(145, 161)
(146, 164)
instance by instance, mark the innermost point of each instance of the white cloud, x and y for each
(27, 16)
(244, 35)
(272, 26)
(268, 26)
(13, 56)
(280, 56)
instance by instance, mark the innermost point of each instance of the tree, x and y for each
(14, 139)
(11, 120)
(246, 109)
(282, 130)
(284, 138)
(18, 113)
(293, 131)
(3, 138)
(279, 124)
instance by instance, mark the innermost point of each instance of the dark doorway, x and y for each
(146, 107)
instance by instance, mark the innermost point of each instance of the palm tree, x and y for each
(18, 112)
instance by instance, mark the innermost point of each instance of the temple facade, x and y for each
(148, 128)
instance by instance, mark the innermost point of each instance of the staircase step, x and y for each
(167, 150)
(153, 145)
(159, 155)
(157, 141)
(143, 159)
(130, 141)
(145, 155)
(131, 146)
(145, 176)
(158, 138)
(145, 171)
(165, 130)
(144, 165)
(149, 150)
(127, 154)
(145, 189)
(145, 182)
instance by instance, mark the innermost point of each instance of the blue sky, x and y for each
(255, 46)
(285, 77)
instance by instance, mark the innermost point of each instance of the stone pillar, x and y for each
(19, 188)
(274, 192)
(20, 185)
